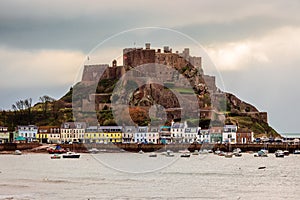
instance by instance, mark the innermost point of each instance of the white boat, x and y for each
(279, 154)
(204, 151)
(265, 151)
(18, 152)
(141, 152)
(286, 152)
(184, 151)
(228, 155)
(94, 150)
(237, 150)
(260, 154)
(297, 151)
(217, 151)
(71, 154)
(169, 154)
(196, 152)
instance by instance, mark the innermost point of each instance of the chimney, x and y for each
(147, 46)
(166, 49)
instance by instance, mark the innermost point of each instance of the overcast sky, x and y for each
(255, 45)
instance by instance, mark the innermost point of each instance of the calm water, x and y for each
(106, 176)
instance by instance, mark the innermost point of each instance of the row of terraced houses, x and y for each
(80, 132)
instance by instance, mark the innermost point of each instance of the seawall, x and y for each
(154, 147)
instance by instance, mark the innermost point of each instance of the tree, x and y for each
(45, 102)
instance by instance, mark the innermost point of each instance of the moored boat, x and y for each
(196, 152)
(58, 150)
(204, 151)
(18, 152)
(71, 154)
(297, 151)
(286, 152)
(237, 150)
(185, 155)
(169, 153)
(228, 155)
(55, 156)
(260, 154)
(237, 154)
(279, 154)
(141, 152)
(152, 154)
(93, 150)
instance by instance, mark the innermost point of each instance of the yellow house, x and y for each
(113, 134)
(94, 135)
(48, 134)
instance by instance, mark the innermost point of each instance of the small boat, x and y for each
(262, 167)
(58, 150)
(152, 155)
(228, 155)
(185, 155)
(217, 151)
(141, 152)
(265, 151)
(102, 150)
(221, 153)
(237, 154)
(169, 153)
(55, 156)
(93, 150)
(71, 154)
(210, 151)
(260, 154)
(237, 150)
(204, 151)
(196, 152)
(286, 152)
(184, 151)
(279, 154)
(18, 152)
(297, 151)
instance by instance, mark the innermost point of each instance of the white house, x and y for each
(178, 132)
(229, 134)
(4, 135)
(29, 132)
(190, 134)
(203, 135)
(140, 136)
(152, 135)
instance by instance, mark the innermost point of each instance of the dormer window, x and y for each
(66, 125)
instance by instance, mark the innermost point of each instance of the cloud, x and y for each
(38, 69)
(277, 48)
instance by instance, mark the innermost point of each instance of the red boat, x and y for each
(58, 150)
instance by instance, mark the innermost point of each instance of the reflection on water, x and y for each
(36, 176)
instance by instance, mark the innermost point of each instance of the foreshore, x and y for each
(39, 148)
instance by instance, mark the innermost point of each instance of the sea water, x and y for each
(138, 176)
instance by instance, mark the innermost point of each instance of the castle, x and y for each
(134, 57)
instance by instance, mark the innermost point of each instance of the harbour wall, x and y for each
(155, 147)
(177, 147)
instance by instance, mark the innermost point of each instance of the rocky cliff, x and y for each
(98, 90)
